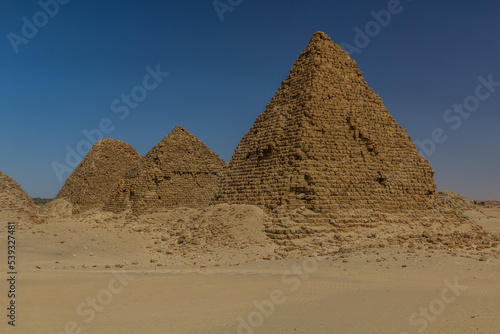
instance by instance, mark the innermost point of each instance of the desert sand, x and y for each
(137, 289)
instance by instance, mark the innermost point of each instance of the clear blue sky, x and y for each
(64, 78)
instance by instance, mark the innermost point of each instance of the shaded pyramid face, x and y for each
(14, 202)
(95, 178)
(326, 142)
(179, 171)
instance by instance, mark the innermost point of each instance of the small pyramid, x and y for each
(179, 171)
(97, 175)
(327, 143)
(14, 202)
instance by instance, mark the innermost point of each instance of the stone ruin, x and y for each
(328, 150)
(179, 171)
(455, 201)
(326, 161)
(15, 204)
(97, 175)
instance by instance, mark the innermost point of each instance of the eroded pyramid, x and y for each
(455, 201)
(179, 171)
(15, 204)
(326, 143)
(97, 175)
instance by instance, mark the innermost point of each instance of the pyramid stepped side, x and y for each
(355, 154)
(327, 147)
(326, 142)
(179, 171)
(97, 176)
(119, 198)
(14, 202)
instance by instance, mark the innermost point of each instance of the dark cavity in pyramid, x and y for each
(97, 176)
(326, 143)
(179, 171)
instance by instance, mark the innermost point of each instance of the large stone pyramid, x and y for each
(95, 178)
(179, 171)
(15, 204)
(327, 143)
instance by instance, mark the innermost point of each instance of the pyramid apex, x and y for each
(319, 36)
(106, 141)
(321, 43)
(179, 128)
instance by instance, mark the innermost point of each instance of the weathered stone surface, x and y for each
(179, 171)
(455, 201)
(326, 142)
(15, 204)
(326, 156)
(96, 177)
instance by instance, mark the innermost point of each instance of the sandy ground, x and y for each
(107, 276)
(492, 223)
